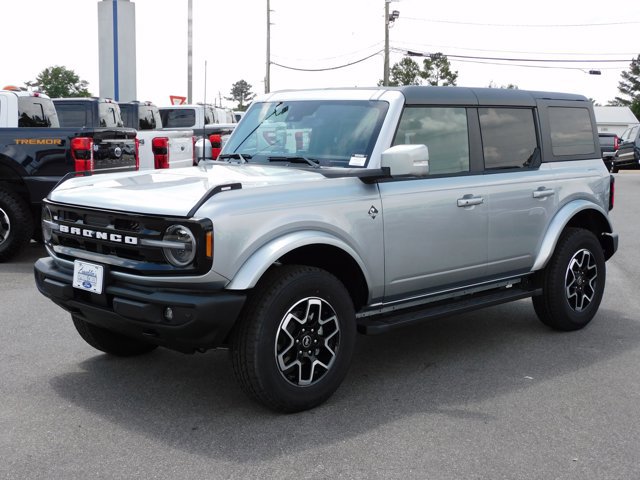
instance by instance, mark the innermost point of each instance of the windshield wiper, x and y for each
(296, 159)
(235, 156)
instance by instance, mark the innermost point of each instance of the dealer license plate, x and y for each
(88, 276)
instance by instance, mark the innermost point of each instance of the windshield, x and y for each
(337, 133)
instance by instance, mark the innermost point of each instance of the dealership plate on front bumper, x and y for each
(88, 276)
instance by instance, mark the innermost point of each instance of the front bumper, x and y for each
(200, 320)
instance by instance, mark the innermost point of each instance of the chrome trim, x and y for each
(163, 244)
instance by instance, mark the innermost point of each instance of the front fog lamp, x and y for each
(180, 247)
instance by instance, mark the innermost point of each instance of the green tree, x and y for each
(437, 71)
(508, 86)
(241, 93)
(405, 72)
(60, 82)
(629, 87)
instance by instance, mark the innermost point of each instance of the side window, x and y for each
(571, 131)
(508, 137)
(445, 133)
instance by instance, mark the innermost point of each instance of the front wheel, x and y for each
(16, 224)
(110, 342)
(573, 282)
(293, 344)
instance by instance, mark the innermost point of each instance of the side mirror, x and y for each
(406, 160)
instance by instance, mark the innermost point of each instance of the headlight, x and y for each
(183, 250)
(47, 221)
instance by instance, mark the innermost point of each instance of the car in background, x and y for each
(609, 144)
(628, 153)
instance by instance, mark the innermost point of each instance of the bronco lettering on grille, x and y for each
(87, 233)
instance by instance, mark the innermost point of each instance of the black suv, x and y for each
(628, 154)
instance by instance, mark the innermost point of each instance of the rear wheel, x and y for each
(292, 346)
(573, 281)
(16, 224)
(110, 342)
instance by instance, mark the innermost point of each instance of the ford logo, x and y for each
(86, 284)
(117, 152)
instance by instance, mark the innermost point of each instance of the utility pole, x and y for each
(190, 51)
(385, 80)
(388, 20)
(267, 78)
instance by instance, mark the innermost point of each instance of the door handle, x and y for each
(543, 192)
(469, 201)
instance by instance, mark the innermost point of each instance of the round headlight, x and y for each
(47, 218)
(183, 251)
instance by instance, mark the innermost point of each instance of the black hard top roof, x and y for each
(483, 96)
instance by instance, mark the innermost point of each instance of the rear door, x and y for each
(625, 153)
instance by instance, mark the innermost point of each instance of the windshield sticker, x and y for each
(358, 160)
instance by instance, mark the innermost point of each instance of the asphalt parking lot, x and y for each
(486, 395)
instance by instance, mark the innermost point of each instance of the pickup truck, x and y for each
(609, 144)
(628, 153)
(36, 152)
(331, 212)
(211, 126)
(158, 147)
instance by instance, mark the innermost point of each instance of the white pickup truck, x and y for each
(212, 126)
(158, 147)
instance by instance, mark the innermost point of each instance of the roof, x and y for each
(615, 115)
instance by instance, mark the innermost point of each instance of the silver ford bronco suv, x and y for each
(331, 212)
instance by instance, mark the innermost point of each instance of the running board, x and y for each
(383, 323)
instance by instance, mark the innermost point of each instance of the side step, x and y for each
(383, 323)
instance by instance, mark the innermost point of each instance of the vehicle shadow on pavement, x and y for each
(445, 367)
(23, 263)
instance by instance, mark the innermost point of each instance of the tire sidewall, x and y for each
(581, 239)
(317, 284)
(20, 221)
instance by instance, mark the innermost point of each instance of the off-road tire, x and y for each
(268, 359)
(573, 282)
(16, 224)
(110, 342)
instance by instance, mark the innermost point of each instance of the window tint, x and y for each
(443, 130)
(72, 115)
(36, 112)
(147, 119)
(126, 113)
(179, 117)
(508, 137)
(571, 131)
(109, 115)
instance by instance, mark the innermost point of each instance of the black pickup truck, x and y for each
(36, 152)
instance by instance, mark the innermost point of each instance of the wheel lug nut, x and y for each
(315, 341)
(297, 341)
(300, 352)
(309, 352)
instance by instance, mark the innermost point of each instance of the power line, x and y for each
(348, 54)
(329, 68)
(540, 25)
(506, 59)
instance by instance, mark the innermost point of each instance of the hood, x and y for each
(171, 192)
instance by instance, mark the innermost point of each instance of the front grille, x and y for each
(120, 239)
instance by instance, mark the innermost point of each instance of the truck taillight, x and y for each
(216, 145)
(137, 154)
(82, 154)
(160, 148)
(616, 143)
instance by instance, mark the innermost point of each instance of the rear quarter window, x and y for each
(109, 115)
(571, 131)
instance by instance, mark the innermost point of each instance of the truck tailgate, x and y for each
(114, 150)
